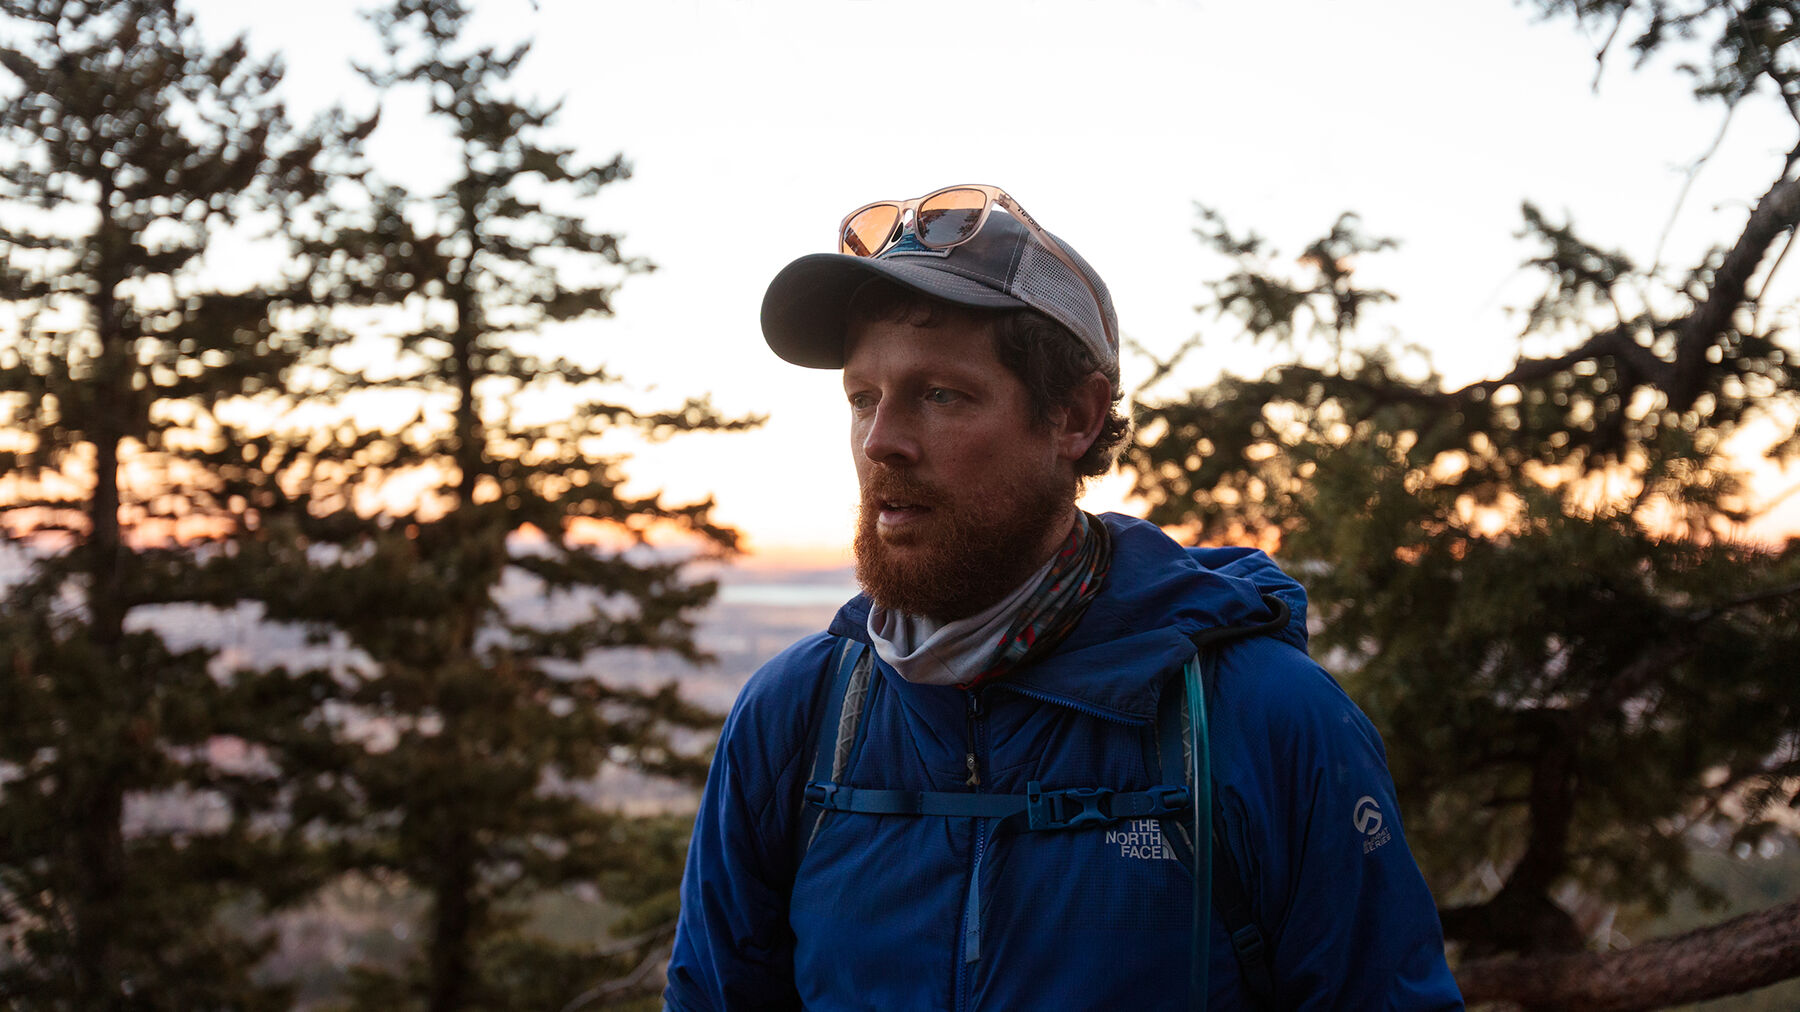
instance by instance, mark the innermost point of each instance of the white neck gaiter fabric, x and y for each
(926, 652)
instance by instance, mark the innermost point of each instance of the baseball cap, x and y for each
(804, 311)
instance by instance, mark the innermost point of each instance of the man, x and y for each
(989, 818)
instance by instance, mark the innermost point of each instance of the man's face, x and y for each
(962, 496)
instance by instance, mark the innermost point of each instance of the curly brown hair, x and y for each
(1046, 357)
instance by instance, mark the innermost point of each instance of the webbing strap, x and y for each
(831, 732)
(1036, 810)
(1233, 902)
(825, 755)
(1168, 754)
(874, 801)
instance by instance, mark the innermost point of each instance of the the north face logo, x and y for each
(1142, 839)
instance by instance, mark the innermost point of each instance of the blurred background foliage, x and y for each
(1532, 583)
(171, 444)
(1586, 681)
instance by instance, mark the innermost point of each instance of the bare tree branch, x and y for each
(1600, 54)
(1614, 341)
(1769, 280)
(1731, 957)
(1777, 500)
(640, 975)
(1778, 211)
(1687, 185)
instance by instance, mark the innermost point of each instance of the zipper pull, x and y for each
(974, 772)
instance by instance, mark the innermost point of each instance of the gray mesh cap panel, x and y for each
(1046, 284)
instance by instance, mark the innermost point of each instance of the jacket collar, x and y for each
(1157, 595)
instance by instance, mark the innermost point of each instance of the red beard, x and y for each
(954, 558)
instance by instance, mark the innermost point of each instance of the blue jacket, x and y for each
(881, 911)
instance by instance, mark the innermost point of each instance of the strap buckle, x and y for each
(1248, 941)
(1067, 809)
(824, 795)
(1096, 806)
(1165, 800)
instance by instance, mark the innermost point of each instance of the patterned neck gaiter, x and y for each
(1058, 601)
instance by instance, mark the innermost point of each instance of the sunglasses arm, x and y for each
(1044, 239)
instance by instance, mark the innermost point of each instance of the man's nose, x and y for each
(890, 437)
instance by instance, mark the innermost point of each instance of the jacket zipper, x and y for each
(973, 763)
(969, 938)
(1076, 705)
(969, 951)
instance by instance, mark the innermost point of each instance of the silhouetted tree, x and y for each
(126, 826)
(1531, 582)
(487, 597)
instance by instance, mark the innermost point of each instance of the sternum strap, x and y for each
(1035, 810)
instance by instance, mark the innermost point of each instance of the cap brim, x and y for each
(804, 315)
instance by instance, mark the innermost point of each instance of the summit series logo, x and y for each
(1368, 820)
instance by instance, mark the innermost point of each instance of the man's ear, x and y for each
(1082, 416)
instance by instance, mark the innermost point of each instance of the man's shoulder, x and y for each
(1269, 690)
(771, 723)
(783, 691)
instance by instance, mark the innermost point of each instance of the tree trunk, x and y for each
(94, 790)
(1731, 957)
(452, 925)
(96, 855)
(107, 428)
(471, 434)
(1522, 917)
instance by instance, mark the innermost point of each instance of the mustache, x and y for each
(884, 485)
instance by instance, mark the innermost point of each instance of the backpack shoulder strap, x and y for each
(1232, 900)
(1183, 747)
(1230, 889)
(840, 718)
(835, 736)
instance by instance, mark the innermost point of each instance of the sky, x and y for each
(753, 125)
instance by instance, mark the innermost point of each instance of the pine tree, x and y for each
(489, 598)
(1532, 582)
(131, 148)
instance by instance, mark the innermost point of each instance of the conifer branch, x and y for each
(1756, 597)
(1681, 378)
(1761, 57)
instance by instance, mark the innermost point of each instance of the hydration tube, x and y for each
(1200, 826)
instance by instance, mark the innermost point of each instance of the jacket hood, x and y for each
(1157, 595)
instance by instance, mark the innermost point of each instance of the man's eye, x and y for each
(860, 402)
(939, 395)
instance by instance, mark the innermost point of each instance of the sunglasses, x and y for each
(946, 218)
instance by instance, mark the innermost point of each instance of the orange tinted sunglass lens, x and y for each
(869, 230)
(950, 217)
